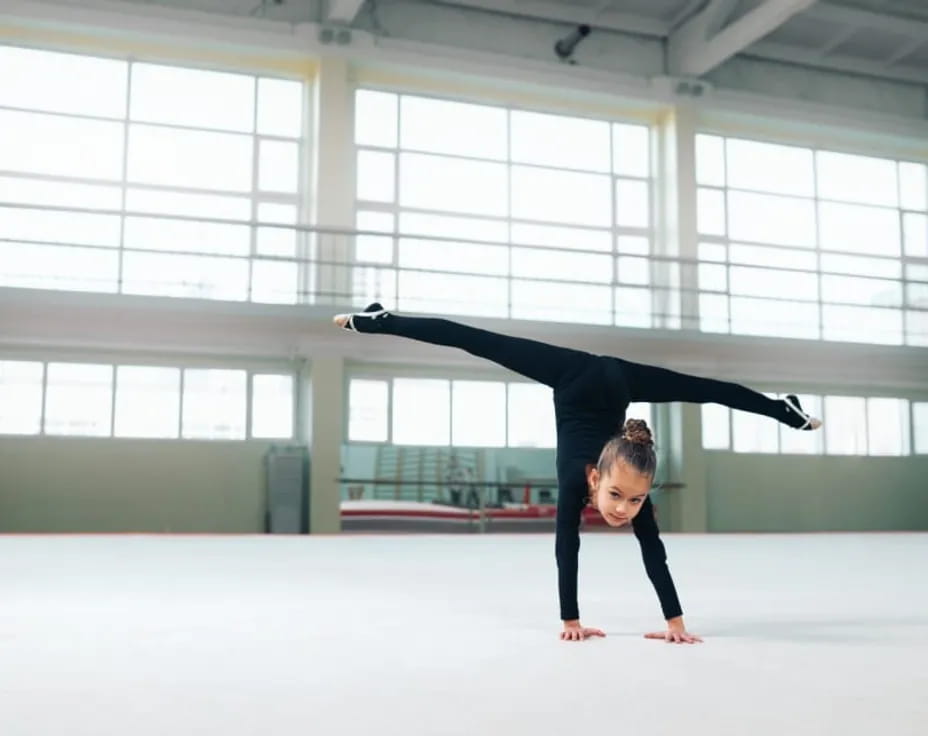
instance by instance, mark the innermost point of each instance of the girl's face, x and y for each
(618, 495)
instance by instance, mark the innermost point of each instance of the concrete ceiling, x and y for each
(879, 38)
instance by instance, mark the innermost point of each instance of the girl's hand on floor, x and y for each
(674, 636)
(573, 631)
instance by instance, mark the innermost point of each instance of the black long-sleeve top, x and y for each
(590, 409)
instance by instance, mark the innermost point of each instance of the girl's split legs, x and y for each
(649, 383)
(547, 364)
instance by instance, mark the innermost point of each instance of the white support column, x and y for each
(677, 236)
(333, 177)
(688, 506)
(326, 419)
(697, 46)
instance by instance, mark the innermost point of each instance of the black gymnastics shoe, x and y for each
(796, 417)
(370, 320)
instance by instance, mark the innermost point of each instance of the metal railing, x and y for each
(144, 253)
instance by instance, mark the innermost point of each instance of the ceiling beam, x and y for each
(693, 49)
(343, 11)
(562, 12)
(837, 62)
(865, 19)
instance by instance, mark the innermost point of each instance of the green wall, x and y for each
(70, 484)
(793, 493)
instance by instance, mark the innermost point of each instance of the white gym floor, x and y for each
(804, 634)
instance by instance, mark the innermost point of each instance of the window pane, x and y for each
(447, 256)
(20, 190)
(862, 324)
(79, 399)
(713, 313)
(774, 318)
(845, 427)
(191, 205)
(275, 282)
(277, 241)
(272, 406)
(916, 235)
(873, 292)
(374, 248)
(68, 83)
(453, 185)
(280, 107)
(886, 267)
(888, 426)
(632, 206)
(758, 255)
(711, 211)
(531, 416)
(554, 236)
(450, 294)
(147, 402)
(459, 128)
(767, 219)
(913, 186)
(560, 264)
(49, 144)
(214, 404)
(920, 428)
(179, 235)
(772, 283)
(190, 158)
(194, 277)
(581, 143)
(631, 150)
(20, 397)
(421, 411)
(633, 244)
(754, 433)
(710, 160)
(856, 178)
(767, 167)
(29, 266)
(465, 228)
(278, 167)
(76, 228)
(632, 307)
(633, 270)
(367, 411)
(713, 277)
(376, 176)
(194, 97)
(558, 302)
(716, 433)
(715, 252)
(478, 413)
(797, 442)
(859, 229)
(550, 195)
(375, 118)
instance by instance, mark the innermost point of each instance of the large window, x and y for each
(132, 401)
(797, 242)
(853, 425)
(116, 146)
(462, 413)
(502, 212)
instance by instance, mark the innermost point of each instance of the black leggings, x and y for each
(552, 365)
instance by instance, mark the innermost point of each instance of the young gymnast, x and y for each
(600, 460)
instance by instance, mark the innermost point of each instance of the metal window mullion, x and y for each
(124, 183)
(397, 157)
(390, 411)
(255, 162)
(509, 284)
(180, 404)
(249, 398)
(818, 245)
